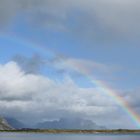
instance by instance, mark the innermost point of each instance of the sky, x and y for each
(51, 51)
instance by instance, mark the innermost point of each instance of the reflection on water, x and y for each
(25, 136)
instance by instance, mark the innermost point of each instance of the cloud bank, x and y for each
(35, 97)
(92, 19)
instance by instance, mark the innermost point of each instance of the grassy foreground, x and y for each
(57, 131)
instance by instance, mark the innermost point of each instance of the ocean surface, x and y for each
(31, 136)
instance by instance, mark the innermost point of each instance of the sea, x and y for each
(39, 136)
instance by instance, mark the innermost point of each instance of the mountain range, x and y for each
(8, 123)
(69, 123)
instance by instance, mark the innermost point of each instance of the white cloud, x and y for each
(44, 98)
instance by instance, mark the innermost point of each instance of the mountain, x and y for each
(64, 123)
(4, 125)
(15, 123)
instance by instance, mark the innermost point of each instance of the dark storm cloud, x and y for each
(31, 64)
(96, 20)
(133, 98)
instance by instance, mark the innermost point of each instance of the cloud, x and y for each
(91, 19)
(64, 65)
(133, 98)
(14, 83)
(39, 96)
(83, 67)
(29, 65)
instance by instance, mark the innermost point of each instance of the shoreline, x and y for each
(58, 131)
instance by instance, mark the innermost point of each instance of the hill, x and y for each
(4, 124)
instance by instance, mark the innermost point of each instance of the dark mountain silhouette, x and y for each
(15, 123)
(64, 123)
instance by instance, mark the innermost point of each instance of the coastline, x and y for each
(58, 131)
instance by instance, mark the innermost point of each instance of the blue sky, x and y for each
(54, 41)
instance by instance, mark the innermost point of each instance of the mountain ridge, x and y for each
(4, 125)
(9, 123)
(64, 123)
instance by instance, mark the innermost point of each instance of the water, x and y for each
(27, 136)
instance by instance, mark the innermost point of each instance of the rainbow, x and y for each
(103, 87)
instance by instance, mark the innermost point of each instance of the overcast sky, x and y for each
(47, 49)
